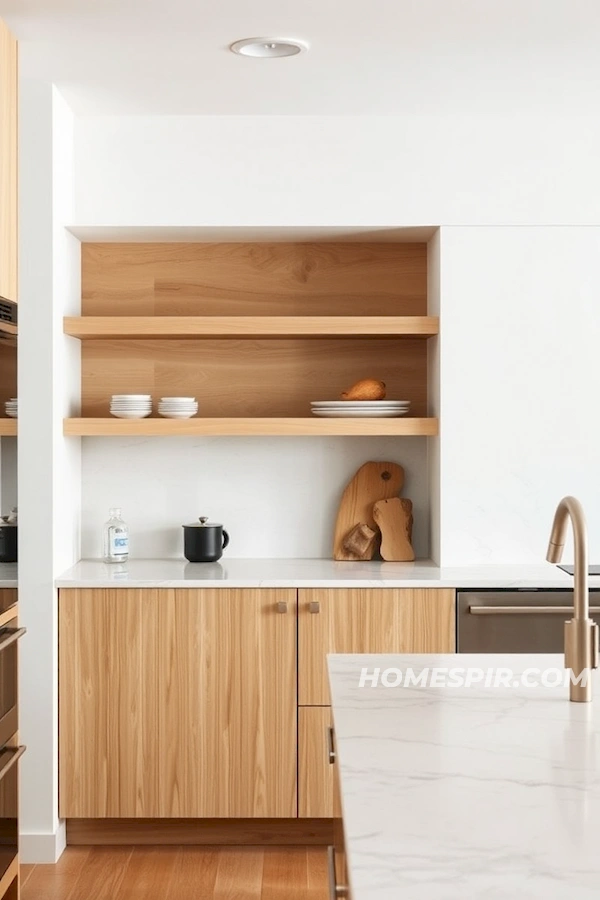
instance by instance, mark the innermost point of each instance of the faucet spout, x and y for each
(581, 633)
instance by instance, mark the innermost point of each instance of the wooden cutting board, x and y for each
(374, 481)
(394, 518)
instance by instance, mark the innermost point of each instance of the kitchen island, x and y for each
(466, 793)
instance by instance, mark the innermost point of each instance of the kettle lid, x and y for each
(203, 523)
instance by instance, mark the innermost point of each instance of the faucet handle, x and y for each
(594, 639)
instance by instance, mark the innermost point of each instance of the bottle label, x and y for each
(119, 543)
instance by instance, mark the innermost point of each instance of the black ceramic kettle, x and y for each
(204, 541)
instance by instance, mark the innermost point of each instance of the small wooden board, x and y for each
(374, 481)
(394, 518)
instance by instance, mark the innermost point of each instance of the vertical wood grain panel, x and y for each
(382, 620)
(8, 165)
(177, 703)
(315, 773)
(230, 693)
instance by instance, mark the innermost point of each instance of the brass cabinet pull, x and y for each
(526, 610)
(314, 606)
(12, 635)
(282, 606)
(15, 754)
(330, 745)
(335, 890)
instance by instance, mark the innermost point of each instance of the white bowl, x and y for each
(11, 414)
(130, 415)
(177, 415)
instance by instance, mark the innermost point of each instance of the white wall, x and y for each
(520, 388)
(277, 497)
(49, 466)
(315, 170)
(375, 172)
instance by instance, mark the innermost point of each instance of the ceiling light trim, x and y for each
(269, 47)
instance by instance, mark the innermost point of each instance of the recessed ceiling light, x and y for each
(266, 47)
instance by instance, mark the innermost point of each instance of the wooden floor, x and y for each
(180, 873)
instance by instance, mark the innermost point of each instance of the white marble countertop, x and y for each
(280, 573)
(8, 575)
(467, 792)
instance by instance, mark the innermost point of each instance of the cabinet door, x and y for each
(315, 769)
(177, 703)
(8, 165)
(368, 621)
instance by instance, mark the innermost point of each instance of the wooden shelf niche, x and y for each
(151, 314)
(8, 380)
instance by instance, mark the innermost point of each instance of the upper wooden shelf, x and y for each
(189, 327)
(402, 426)
(8, 427)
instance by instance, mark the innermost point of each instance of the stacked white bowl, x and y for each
(11, 408)
(177, 407)
(131, 406)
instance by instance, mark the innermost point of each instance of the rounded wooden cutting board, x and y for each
(374, 481)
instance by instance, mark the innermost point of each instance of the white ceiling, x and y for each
(367, 56)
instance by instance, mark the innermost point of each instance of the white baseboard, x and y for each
(43, 848)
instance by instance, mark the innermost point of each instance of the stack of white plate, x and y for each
(131, 406)
(177, 407)
(350, 409)
(12, 408)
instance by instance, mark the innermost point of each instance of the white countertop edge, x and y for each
(315, 573)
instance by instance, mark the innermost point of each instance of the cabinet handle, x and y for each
(15, 754)
(282, 606)
(314, 606)
(335, 890)
(330, 745)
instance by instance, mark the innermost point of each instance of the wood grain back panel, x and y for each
(254, 279)
(251, 377)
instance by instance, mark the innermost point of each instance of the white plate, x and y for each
(11, 414)
(177, 399)
(180, 415)
(359, 414)
(130, 415)
(361, 404)
(351, 406)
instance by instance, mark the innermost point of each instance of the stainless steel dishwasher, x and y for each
(516, 621)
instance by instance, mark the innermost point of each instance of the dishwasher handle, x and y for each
(526, 610)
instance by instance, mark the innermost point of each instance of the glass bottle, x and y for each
(115, 538)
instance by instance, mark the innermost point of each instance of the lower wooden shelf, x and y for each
(8, 427)
(405, 426)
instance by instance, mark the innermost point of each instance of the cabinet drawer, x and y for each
(367, 621)
(315, 771)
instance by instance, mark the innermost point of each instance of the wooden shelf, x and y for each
(404, 426)
(8, 427)
(191, 327)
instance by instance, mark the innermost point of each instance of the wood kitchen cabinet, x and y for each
(382, 620)
(8, 165)
(177, 703)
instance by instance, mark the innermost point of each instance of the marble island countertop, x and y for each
(8, 575)
(318, 573)
(462, 794)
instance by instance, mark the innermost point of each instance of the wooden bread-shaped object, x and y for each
(374, 481)
(394, 518)
(361, 542)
